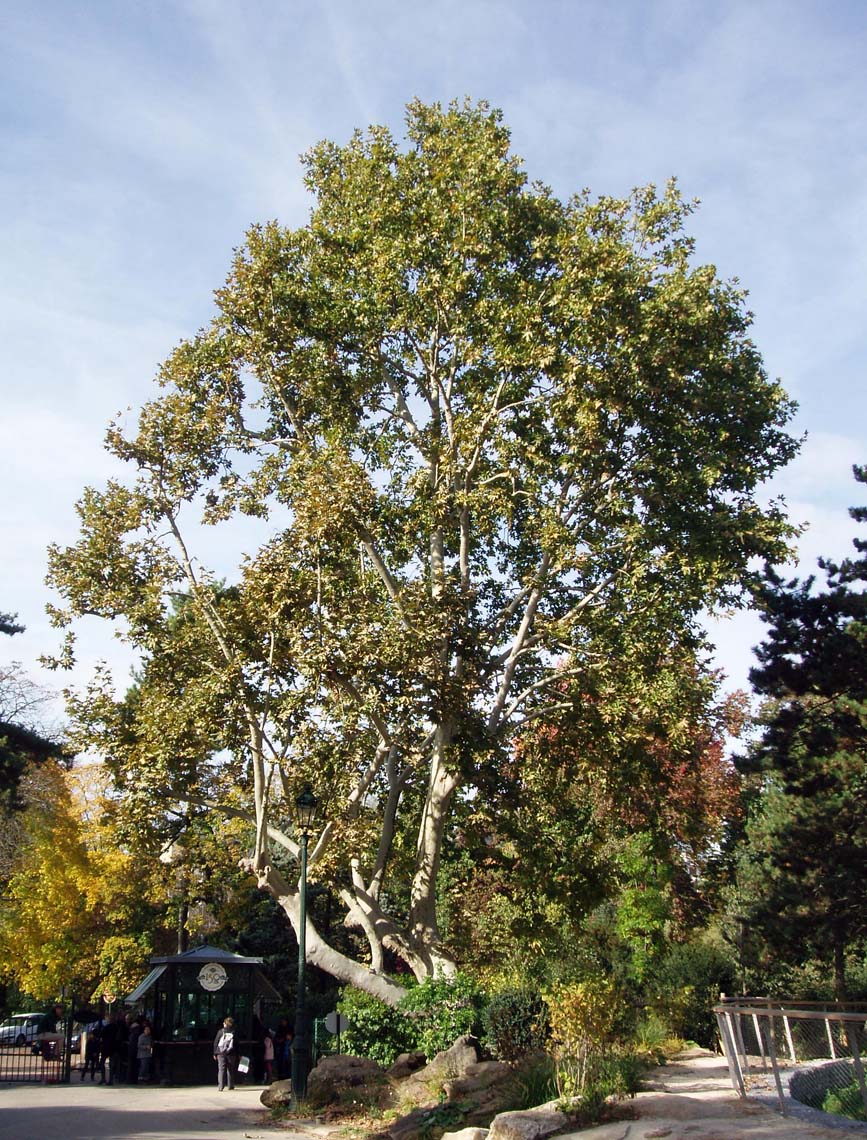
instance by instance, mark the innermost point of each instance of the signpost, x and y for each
(337, 1023)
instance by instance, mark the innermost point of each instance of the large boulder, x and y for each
(277, 1095)
(532, 1124)
(486, 1088)
(342, 1077)
(425, 1087)
(405, 1065)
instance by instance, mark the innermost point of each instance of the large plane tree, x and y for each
(488, 440)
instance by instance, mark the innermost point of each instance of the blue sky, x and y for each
(140, 140)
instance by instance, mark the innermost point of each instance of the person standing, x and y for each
(226, 1054)
(93, 1050)
(135, 1025)
(268, 1057)
(117, 1037)
(145, 1048)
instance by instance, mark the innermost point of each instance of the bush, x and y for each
(845, 1102)
(584, 1020)
(686, 985)
(440, 1010)
(515, 1022)
(535, 1080)
(376, 1030)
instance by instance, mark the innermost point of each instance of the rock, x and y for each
(424, 1087)
(277, 1095)
(335, 1076)
(488, 1087)
(534, 1124)
(406, 1064)
(466, 1134)
(477, 1075)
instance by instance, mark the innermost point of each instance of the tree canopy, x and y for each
(22, 742)
(496, 443)
(804, 867)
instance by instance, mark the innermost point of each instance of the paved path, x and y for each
(84, 1111)
(692, 1099)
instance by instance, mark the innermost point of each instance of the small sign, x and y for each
(212, 976)
(337, 1022)
(109, 999)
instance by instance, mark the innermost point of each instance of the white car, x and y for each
(20, 1028)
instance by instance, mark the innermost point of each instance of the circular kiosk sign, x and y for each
(212, 976)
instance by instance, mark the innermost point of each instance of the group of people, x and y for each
(272, 1052)
(120, 1050)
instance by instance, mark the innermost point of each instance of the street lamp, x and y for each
(305, 812)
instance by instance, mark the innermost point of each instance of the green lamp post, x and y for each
(305, 807)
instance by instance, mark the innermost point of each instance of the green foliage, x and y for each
(612, 1073)
(445, 1117)
(586, 1018)
(515, 1022)
(492, 454)
(535, 1080)
(652, 1038)
(441, 1010)
(376, 1030)
(845, 1102)
(685, 986)
(802, 870)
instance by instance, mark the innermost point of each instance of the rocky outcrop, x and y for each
(456, 1091)
(426, 1085)
(334, 1077)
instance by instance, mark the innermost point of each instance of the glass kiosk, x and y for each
(186, 997)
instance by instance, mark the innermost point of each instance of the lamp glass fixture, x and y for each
(305, 808)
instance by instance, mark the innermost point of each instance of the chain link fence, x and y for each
(815, 1051)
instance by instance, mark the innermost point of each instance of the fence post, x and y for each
(831, 1048)
(737, 1029)
(772, 1053)
(854, 1048)
(789, 1040)
(760, 1041)
(725, 1030)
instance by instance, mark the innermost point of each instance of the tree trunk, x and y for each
(839, 963)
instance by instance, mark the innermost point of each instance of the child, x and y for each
(269, 1057)
(145, 1052)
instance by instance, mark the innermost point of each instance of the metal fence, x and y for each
(816, 1051)
(29, 1060)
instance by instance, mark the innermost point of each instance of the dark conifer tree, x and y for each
(804, 865)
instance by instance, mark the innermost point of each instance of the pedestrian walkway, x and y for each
(83, 1111)
(692, 1099)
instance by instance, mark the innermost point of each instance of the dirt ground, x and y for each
(691, 1098)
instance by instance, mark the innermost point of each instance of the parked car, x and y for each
(20, 1028)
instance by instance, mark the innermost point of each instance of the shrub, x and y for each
(584, 1020)
(845, 1102)
(376, 1030)
(535, 1080)
(515, 1022)
(439, 1010)
(686, 986)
